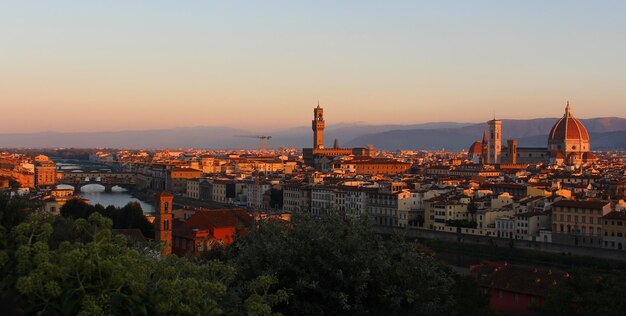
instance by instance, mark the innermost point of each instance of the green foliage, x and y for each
(261, 300)
(276, 198)
(472, 208)
(97, 273)
(461, 223)
(129, 216)
(588, 293)
(330, 265)
(76, 208)
(336, 265)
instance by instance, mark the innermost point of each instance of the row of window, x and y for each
(582, 230)
(583, 219)
(581, 210)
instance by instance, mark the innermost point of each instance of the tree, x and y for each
(131, 216)
(76, 208)
(127, 217)
(337, 265)
(97, 273)
(588, 292)
(472, 207)
(276, 198)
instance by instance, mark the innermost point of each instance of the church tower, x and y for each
(163, 221)
(512, 150)
(495, 141)
(318, 127)
(484, 155)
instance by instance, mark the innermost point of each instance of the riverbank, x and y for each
(464, 255)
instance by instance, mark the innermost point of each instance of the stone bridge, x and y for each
(108, 180)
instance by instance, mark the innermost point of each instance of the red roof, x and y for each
(476, 149)
(568, 127)
(615, 215)
(589, 156)
(206, 219)
(518, 279)
(166, 194)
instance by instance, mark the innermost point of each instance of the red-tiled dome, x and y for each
(476, 149)
(568, 127)
(589, 156)
(558, 155)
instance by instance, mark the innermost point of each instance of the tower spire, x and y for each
(568, 109)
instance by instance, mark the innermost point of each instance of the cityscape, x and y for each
(324, 207)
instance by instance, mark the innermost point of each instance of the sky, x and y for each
(135, 65)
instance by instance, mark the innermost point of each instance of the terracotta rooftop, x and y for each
(518, 279)
(615, 215)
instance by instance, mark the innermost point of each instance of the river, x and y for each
(118, 198)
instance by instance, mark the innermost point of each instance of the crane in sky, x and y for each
(263, 138)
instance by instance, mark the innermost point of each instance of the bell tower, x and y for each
(163, 221)
(495, 141)
(318, 127)
(484, 154)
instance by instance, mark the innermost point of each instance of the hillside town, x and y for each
(561, 194)
(563, 198)
(279, 158)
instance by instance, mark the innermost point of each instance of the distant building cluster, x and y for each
(562, 194)
(568, 144)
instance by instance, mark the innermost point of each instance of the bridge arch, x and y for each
(63, 186)
(92, 187)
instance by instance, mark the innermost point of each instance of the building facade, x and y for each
(579, 222)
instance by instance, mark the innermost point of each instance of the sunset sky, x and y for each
(132, 65)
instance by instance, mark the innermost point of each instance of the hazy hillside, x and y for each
(201, 137)
(605, 133)
(303, 136)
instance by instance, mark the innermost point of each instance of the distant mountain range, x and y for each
(605, 133)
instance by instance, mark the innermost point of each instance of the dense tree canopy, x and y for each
(75, 264)
(129, 216)
(97, 273)
(588, 292)
(335, 265)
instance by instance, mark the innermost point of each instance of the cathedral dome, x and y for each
(589, 157)
(475, 150)
(568, 128)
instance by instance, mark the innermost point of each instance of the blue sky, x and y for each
(264, 64)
